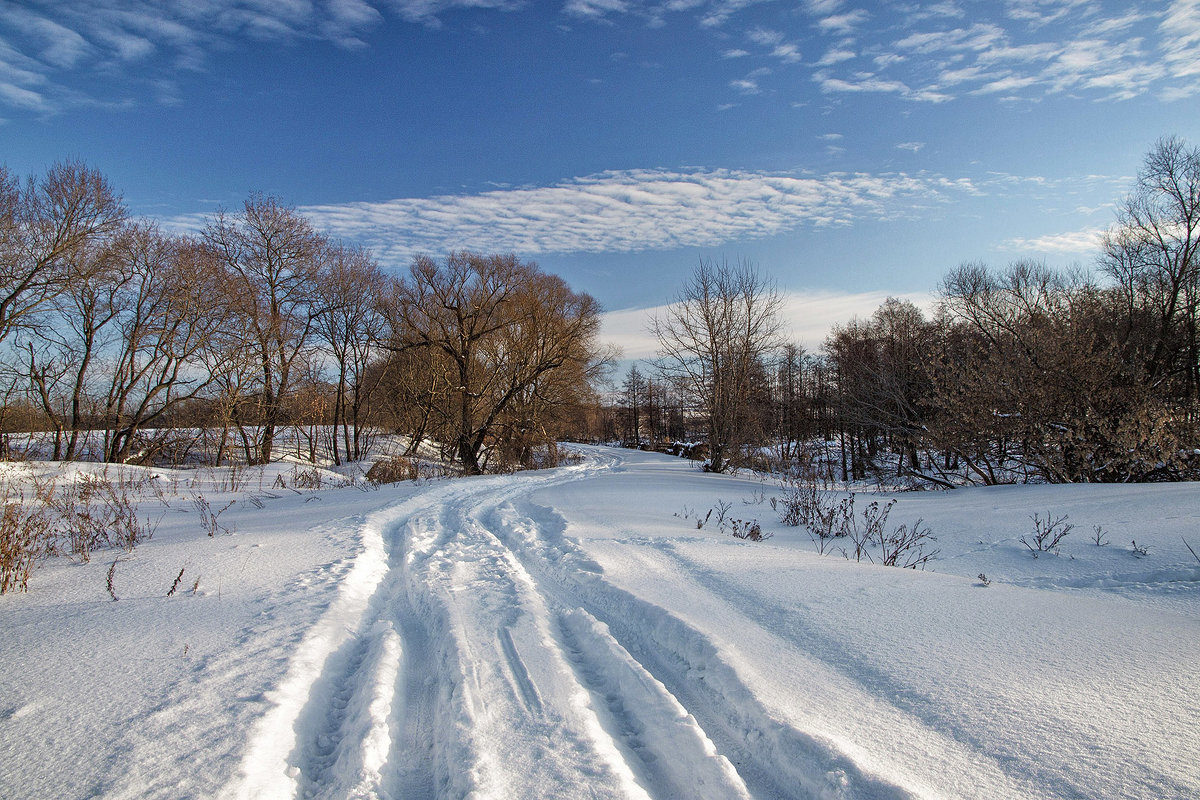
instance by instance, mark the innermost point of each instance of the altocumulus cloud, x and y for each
(807, 316)
(629, 211)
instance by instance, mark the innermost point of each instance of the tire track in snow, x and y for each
(675, 756)
(514, 721)
(653, 736)
(473, 650)
(773, 758)
(328, 730)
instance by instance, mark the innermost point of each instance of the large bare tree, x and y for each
(351, 325)
(172, 307)
(45, 226)
(503, 330)
(275, 262)
(1153, 254)
(713, 341)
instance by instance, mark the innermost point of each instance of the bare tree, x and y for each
(793, 425)
(1045, 369)
(274, 259)
(172, 306)
(1153, 254)
(504, 330)
(351, 324)
(882, 384)
(713, 341)
(67, 338)
(633, 391)
(43, 227)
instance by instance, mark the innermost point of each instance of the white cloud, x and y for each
(808, 317)
(745, 85)
(787, 52)
(1180, 30)
(944, 9)
(624, 211)
(912, 147)
(842, 23)
(722, 10)
(595, 8)
(922, 51)
(55, 40)
(822, 8)
(1029, 48)
(775, 41)
(1086, 241)
(1038, 13)
(836, 55)
(21, 97)
(978, 37)
(866, 82)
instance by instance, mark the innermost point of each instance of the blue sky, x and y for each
(851, 150)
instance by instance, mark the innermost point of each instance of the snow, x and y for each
(572, 633)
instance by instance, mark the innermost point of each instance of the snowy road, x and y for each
(547, 635)
(573, 633)
(469, 653)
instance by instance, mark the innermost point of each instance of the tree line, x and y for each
(209, 345)
(174, 346)
(1018, 373)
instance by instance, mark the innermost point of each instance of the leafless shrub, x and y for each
(307, 478)
(1099, 535)
(25, 534)
(175, 583)
(209, 519)
(108, 581)
(984, 580)
(392, 470)
(750, 530)
(1190, 550)
(905, 547)
(822, 544)
(311, 478)
(872, 528)
(1140, 551)
(722, 510)
(800, 502)
(235, 478)
(828, 518)
(96, 512)
(1047, 533)
(685, 513)
(758, 496)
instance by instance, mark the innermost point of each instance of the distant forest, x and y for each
(124, 343)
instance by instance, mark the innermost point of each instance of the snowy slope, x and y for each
(570, 633)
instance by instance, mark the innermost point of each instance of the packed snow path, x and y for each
(456, 661)
(476, 650)
(574, 634)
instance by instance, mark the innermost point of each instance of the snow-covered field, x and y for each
(572, 633)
